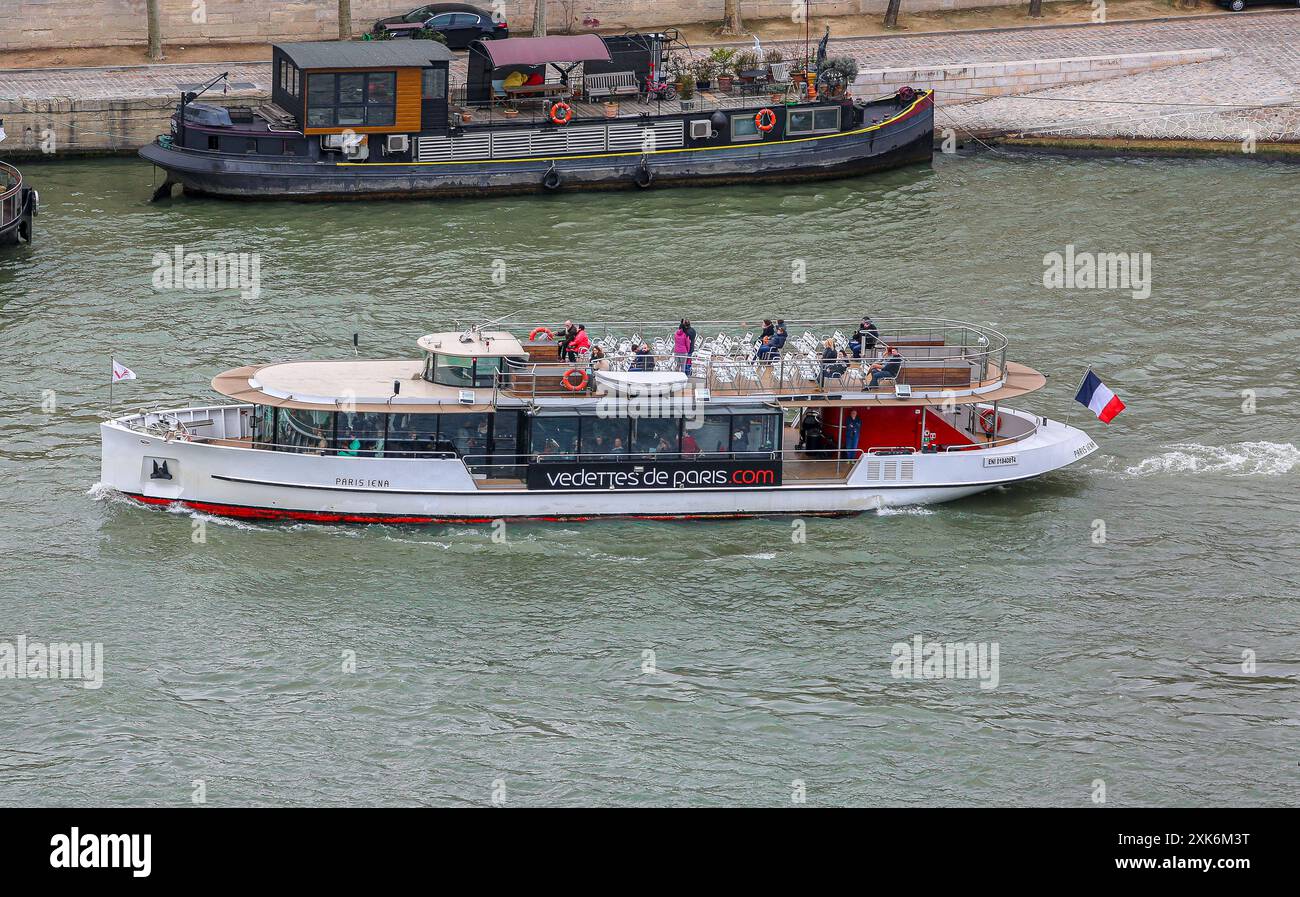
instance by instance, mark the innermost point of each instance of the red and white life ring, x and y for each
(532, 337)
(561, 113)
(987, 422)
(567, 380)
(765, 120)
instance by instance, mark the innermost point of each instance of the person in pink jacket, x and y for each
(682, 348)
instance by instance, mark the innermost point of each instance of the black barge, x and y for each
(18, 205)
(358, 120)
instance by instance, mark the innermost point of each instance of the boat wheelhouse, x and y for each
(18, 205)
(487, 425)
(533, 115)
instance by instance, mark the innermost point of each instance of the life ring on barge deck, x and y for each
(987, 422)
(538, 331)
(765, 120)
(561, 113)
(567, 380)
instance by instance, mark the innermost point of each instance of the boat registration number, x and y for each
(1002, 461)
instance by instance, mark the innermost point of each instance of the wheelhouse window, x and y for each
(744, 128)
(351, 99)
(463, 371)
(433, 84)
(813, 121)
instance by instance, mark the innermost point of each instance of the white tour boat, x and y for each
(487, 425)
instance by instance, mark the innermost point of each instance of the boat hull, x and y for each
(255, 484)
(906, 140)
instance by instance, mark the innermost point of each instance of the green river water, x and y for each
(520, 668)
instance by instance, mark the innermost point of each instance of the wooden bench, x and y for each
(921, 375)
(611, 84)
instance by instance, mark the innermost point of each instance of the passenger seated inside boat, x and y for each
(888, 369)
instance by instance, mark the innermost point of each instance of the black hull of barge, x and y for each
(904, 141)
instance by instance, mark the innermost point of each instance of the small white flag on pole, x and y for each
(122, 372)
(2, 133)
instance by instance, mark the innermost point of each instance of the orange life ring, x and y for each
(987, 422)
(532, 337)
(561, 113)
(570, 385)
(765, 120)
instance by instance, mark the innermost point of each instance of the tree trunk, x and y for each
(1035, 9)
(345, 19)
(731, 23)
(891, 13)
(155, 30)
(539, 19)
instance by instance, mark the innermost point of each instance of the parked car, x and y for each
(460, 23)
(1239, 5)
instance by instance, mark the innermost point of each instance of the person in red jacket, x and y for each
(579, 345)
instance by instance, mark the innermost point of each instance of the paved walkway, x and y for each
(1263, 68)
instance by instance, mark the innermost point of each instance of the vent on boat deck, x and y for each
(891, 469)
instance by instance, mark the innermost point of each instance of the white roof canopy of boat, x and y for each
(360, 385)
(473, 343)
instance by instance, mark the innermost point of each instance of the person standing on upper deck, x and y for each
(682, 348)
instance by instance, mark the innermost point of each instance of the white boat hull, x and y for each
(253, 483)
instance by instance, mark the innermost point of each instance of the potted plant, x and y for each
(510, 112)
(749, 67)
(611, 108)
(836, 75)
(703, 70)
(724, 66)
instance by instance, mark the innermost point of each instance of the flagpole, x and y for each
(1077, 387)
(110, 385)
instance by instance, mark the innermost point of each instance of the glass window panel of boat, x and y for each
(745, 127)
(412, 434)
(757, 432)
(453, 370)
(656, 436)
(599, 433)
(555, 438)
(305, 431)
(485, 371)
(434, 84)
(505, 435)
(468, 433)
(380, 116)
(801, 122)
(352, 90)
(350, 115)
(361, 433)
(264, 424)
(320, 89)
(827, 119)
(714, 436)
(381, 88)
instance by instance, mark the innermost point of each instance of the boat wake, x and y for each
(912, 511)
(1238, 459)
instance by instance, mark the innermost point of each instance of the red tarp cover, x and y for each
(541, 50)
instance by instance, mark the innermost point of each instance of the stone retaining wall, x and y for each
(968, 82)
(33, 24)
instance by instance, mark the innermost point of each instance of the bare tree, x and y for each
(731, 23)
(1035, 9)
(345, 19)
(891, 13)
(154, 14)
(539, 19)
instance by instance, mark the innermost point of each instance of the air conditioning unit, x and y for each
(701, 129)
(397, 143)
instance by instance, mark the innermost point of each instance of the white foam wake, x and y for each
(1238, 459)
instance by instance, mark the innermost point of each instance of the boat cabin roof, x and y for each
(365, 54)
(365, 384)
(473, 343)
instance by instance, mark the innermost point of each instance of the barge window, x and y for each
(813, 121)
(599, 433)
(297, 430)
(745, 127)
(337, 100)
(288, 77)
(360, 434)
(434, 84)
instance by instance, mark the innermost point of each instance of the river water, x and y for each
(656, 663)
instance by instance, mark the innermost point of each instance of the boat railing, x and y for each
(11, 194)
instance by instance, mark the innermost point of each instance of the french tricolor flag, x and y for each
(1100, 400)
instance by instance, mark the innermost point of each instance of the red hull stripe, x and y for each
(247, 513)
